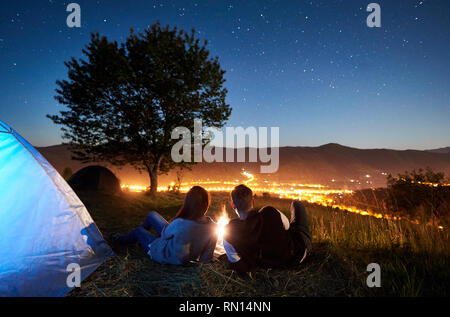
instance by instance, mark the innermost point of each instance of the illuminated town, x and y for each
(312, 193)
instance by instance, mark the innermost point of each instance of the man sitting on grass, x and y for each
(265, 238)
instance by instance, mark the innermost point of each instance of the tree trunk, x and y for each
(153, 169)
(153, 175)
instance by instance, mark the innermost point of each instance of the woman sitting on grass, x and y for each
(190, 236)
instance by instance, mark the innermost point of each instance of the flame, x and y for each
(222, 222)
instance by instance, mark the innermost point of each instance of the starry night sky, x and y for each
(313, 68)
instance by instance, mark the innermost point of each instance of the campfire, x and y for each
(222, 222)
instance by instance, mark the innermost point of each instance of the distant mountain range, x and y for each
(330, 164)
(441, 150)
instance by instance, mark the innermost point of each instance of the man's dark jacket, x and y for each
(262, 241)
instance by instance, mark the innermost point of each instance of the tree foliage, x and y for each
(124, 100)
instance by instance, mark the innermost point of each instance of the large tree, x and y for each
(123, 101)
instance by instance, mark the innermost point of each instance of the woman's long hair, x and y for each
(195, 205)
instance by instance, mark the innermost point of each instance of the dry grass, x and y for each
(414, 258)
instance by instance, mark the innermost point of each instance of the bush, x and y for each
(67, 173)
(421, 193)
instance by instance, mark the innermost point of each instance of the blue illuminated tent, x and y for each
(44, 226)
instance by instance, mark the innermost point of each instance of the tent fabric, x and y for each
(44, 226)
(4, 127)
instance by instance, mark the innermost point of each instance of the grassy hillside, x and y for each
(414, 259)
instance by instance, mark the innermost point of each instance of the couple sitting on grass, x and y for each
(264, 238)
